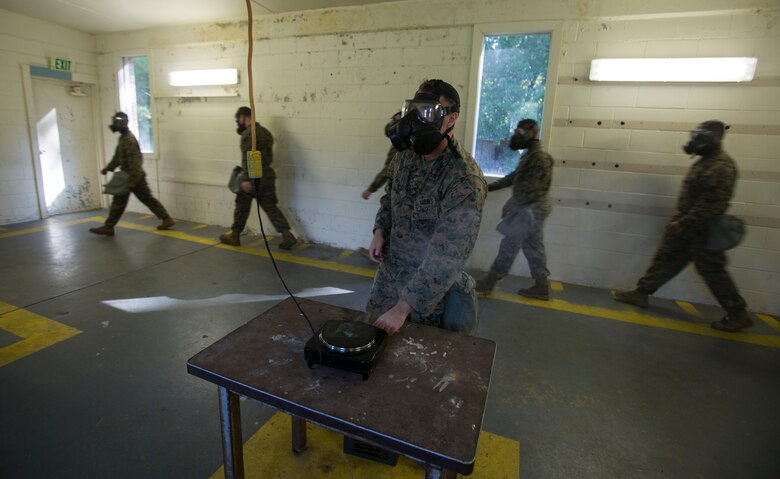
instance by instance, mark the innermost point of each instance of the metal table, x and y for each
(425, 400)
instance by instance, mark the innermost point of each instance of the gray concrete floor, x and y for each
(586, 397)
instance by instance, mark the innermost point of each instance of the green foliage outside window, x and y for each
(514, 79)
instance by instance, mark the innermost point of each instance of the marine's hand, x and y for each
(104, 171)
(375, 248)
(247, 187)
(394, 318)
(673, 228)
(366, 194)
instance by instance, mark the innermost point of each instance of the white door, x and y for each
(66, 143)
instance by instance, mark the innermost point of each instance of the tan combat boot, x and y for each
(232, 238)
(104, 230)
(166, 224)
(634, 297)
(288, 240)
(540, 290)
(487, 284)
(733, 322)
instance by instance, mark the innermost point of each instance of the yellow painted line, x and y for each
(37, 332)
(628, 316)
(302, 246)
(690, 309)
(769, 320)
(50, 225)
(145, 217)
(268, 454)
(644, 319)
(556, 286)
(3, 229)
(344, 254)
(198, 227)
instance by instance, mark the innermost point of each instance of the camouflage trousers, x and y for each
(460, 299)
(266, 197)
(675, 253)
(144, 195)
(532, 246)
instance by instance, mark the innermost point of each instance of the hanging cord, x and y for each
(256, 181)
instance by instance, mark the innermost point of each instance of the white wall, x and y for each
(326, 82)
(25, 41)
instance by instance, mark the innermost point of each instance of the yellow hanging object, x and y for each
(254, 163)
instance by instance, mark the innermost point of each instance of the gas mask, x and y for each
(118, 123)
(239, 127)
(702, 142)
(520, 140)
(420, 124)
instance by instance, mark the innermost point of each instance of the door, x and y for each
(66, 143)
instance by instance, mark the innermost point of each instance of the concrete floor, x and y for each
(586, 396)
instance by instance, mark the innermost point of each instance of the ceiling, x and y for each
(106, 16)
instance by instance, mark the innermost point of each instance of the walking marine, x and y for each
(129, 159)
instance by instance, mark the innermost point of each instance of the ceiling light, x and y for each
(220, 76)
(725, 69)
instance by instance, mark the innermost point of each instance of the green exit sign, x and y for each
(62, 65)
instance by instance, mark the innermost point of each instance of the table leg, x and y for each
(436, 472)
(298, 435)
(232, 443)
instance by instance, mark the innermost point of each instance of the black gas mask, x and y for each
(420, 124)
(523, 136)
(118, 122)
(239, 127)
(702, 142)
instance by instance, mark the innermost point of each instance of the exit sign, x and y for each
(62, 65)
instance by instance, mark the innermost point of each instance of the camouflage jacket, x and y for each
(381, 178)
(128, 158)
(706, 191)
(531, 179)
(264, 144)
(430, 216)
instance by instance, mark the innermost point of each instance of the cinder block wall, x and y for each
(326, 82)
(25, 41)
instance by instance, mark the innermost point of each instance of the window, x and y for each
(135, 98)
(513, 85)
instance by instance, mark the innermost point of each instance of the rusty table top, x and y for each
(425, 399)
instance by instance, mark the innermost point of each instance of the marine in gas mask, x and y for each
(428, 219)
(706, 192)
(530, 183)
(129, 159)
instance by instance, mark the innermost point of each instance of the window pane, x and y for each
(135, 98)
(514, 79)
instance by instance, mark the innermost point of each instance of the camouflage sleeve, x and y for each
(453, 239)
(381, 177)
(130, 158)
(533, 178)
(502, 182)
(384, 217)
(116, 160)
(714, 200)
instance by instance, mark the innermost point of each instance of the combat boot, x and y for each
(288, 240)
(104, 230)
(540, 290)
(233, 238)
(733, 322)
(487, 284)
(166, 224)
(634, 297)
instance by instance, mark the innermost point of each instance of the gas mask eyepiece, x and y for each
(701, 143)
(118, 122)
(419, 124)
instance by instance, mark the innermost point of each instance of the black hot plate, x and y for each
(349, 345)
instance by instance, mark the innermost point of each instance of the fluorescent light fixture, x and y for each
(723, 69)
(219, 76)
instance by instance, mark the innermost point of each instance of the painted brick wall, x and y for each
(25, 41)
(326, 82)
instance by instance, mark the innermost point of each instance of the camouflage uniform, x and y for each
(381, 178)
(266, 195)
(530, 185)
(706, 192)
(129, 159)
(430, 216)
